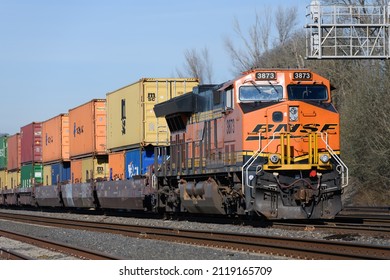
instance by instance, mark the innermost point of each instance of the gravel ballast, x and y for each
(145, 249)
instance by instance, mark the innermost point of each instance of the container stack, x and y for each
(31, 155)
(3, 161)
(87, 142)
(55, 150)
(133, 129)
(13, 161)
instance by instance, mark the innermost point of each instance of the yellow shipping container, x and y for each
(3, 179)
(47, 179)
(13, 179)
(131, 120)
(96, 167)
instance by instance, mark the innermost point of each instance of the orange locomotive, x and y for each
(266, 143)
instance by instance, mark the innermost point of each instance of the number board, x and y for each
(302, 76)
(265, 76)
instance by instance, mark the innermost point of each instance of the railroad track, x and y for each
(384, 210)
(371, 227)
(78, 252)
(281, 246)
(6, 254)
(365, 212)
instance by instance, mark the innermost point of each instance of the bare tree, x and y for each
(207, 66)
(285, 22)
(256, 42)
(197, 64)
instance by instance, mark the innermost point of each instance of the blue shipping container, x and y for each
(61, 171)
(137, 162)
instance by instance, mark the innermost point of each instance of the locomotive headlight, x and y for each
(293, 113)
(324, 158)
(274, 158)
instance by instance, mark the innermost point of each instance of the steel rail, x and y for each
(79, 252)
(7, 254)
(282, 246)
(338, 227)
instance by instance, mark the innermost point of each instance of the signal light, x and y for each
(274, 158)
(324, 158)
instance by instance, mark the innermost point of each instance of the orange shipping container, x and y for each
(116, 162)
(76, 170)
(55, 138)
(88, 129)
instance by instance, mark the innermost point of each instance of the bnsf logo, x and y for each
(302, 128)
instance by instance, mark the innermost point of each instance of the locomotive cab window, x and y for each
(263, 93)
(307, 92)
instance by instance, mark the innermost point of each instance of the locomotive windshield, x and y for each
(307, 92)
(261, 93)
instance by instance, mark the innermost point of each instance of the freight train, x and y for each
(266, 143)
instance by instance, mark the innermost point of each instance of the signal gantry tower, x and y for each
(347, 31)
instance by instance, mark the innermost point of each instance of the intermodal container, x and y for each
(116, 162)
(88, 129)
(3, 179)
(31, 174)
(130, 116)
(13, 155)
(55, 137)
(75, 171)
(137, 162)
(3, 151)
(55, 173)
(60, 172)
(95, 168)
(47, 175)
(13, 179)
(83, 170)
(31, 143)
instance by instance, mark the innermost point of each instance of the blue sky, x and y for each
(56, 55)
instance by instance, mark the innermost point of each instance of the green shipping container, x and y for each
(31, 174)
(3, 152)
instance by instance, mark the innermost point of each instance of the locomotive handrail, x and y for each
(344, 168)
(252, 159)
(324, 138)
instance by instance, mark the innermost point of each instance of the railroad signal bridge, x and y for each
(347, 31)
